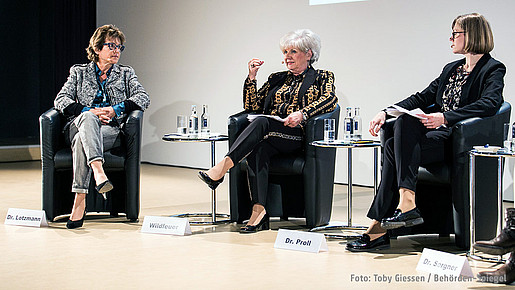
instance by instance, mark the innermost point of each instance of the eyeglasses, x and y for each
(113, 46)
(454, 34)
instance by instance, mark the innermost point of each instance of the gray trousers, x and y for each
(89, 140)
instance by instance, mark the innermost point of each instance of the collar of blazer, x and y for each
(278, 80)
(115, 72)
(471, 78)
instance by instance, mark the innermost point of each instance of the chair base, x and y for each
(226, 218)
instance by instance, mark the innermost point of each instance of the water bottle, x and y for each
(204, 121)
(512, 147)
(356, 120)
(193, 125)
(347, 125)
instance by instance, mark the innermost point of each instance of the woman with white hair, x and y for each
(295, 95)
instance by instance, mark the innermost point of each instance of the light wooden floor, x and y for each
(111, 253)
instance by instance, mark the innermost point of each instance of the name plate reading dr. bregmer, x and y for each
(300, 241)
(26, 217)
(166, 226)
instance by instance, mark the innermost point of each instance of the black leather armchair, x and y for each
(299, 185)
(442, 193)
(122, 166)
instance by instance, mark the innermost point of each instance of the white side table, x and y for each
(349, 147)
(212, 138)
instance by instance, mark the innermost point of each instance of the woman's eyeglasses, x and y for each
(113, 46)
(454, 34)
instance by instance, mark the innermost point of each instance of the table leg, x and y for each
(213, 191)
(375, 170)
(349, 188)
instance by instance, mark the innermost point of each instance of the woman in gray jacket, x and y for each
(95, 98)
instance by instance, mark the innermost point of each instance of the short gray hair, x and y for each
(303, 39)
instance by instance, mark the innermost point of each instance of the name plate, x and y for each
(26, 217)
(444, 264)
(166, 225)
(300, 241)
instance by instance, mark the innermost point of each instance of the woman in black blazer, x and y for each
(466, 88)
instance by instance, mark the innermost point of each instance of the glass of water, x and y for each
(508, 137)
(329, 126)
(182, 124)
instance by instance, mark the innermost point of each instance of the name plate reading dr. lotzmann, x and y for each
(300, 241)
(166, 225)
(26, 217)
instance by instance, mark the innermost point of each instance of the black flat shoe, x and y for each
(264, 224)
(104, 188)
(75, 224)
(364, 244)
(213, 184)
(400, 219)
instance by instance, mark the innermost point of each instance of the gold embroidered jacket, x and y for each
(312, 93)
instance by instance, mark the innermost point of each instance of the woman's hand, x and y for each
(377, 123)
(254, 65)
(104, 114)
(433, 120)
(294, 119)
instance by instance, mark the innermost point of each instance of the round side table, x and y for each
(349, 146)
(211, 138)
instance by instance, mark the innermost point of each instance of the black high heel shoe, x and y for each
(75, 224)
(213, 184)
(263, 225)
(104, 187)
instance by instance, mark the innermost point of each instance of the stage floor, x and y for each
(111, 253)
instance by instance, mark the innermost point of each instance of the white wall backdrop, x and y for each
(195, 52)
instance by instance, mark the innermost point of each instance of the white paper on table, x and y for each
(252, 117)
(396, 111)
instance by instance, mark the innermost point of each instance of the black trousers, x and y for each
(261, 140)
(412, 145)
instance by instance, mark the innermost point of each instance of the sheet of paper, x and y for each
(396, 111)
(252, 117)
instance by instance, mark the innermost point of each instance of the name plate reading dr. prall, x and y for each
(300, 241)
(26, 217)
(166, 225)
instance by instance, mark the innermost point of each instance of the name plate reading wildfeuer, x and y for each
(444, 264)
(166, 225)
(300, 241)
(26, 217)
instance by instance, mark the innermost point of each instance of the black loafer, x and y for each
(213, 184)
(400, 219)
(364, 244)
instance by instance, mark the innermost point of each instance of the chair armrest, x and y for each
(319, 168)
(132, 128)
(50, 129)
(314, 128)
(386, 131)
(479, 131)
(236, 124)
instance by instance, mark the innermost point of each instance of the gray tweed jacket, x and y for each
(81, 87)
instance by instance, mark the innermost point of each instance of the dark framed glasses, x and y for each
(454, 34)
(113, 46)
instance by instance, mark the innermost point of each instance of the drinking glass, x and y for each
(508, 136)
(329, 125)
(182, 124)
